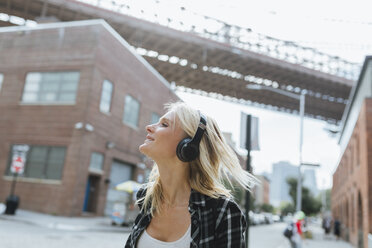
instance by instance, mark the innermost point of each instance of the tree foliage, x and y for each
(266, 208)
(287, 208)
(310, 205)
(325, 193)
(239, 194)
(328, 199)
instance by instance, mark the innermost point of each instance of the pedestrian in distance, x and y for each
(327, 224)
(337, 228)
(298, 234)
(185, 202)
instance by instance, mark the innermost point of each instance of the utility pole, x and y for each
(249, 169)
(301, 98)
(299, 177)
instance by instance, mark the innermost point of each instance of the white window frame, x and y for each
(93, 168)
(106, 96)
(45, 165)
(128, 106)
(1, 80)
(38, 88)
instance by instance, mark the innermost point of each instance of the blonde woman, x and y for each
(185, 203)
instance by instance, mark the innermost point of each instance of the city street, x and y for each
(19, 234)
(268, 236)
(15, 234)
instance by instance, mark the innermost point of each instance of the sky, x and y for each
(341, 28)
(337, 27)
(278, 136)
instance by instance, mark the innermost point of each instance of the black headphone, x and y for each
(188, 149)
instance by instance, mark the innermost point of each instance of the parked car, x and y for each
(276, 218)
(268, 218)
(288, 218)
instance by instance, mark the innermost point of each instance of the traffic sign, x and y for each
(18, 164)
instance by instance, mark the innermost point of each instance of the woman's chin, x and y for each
(145, 151)
(142, 149)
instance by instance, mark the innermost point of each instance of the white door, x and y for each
(120, 172)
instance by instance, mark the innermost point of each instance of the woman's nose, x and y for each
(149, 128)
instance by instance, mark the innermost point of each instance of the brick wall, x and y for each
(351, 199)
(98, 55)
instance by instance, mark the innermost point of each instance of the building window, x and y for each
(106, 95)
(1, 80)
(51, 87)
(131, 111)
(96, 162)
(154, 118)
(44, 162)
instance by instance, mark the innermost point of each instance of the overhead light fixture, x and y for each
(89, 127)
(254, 87)
(110, 145)
(78, 125)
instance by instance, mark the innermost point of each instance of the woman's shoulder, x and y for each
(221, 202)
(225, 210)
(227, 203)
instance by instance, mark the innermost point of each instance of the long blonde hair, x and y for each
(216, 163)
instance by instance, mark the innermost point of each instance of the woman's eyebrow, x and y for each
(165, 119)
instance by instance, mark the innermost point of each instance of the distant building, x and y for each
(309, 182)
(351, 199)
(279, 189)
(239, 191)
(261, 192)
(267, 175)
(278, 185)
(78, 97)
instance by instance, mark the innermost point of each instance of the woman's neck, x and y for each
(175, 183)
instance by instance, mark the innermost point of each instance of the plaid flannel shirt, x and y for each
(214, 222)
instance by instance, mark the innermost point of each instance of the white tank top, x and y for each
(146, 241)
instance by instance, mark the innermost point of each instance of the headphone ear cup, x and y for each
(190, 152)
(180, 145)
(186, 151)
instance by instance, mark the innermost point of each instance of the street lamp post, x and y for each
(301, 98)
(299, 180)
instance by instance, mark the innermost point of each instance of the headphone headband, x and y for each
(200, 131)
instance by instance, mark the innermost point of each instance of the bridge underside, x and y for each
(196, 62)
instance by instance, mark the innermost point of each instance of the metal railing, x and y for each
(181, 19)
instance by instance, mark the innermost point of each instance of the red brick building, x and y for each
(352, 180)
(261, 192)
(78, 98)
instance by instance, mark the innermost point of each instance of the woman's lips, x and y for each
(149, 138)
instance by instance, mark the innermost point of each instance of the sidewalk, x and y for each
(102, 224)
(320, 241)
